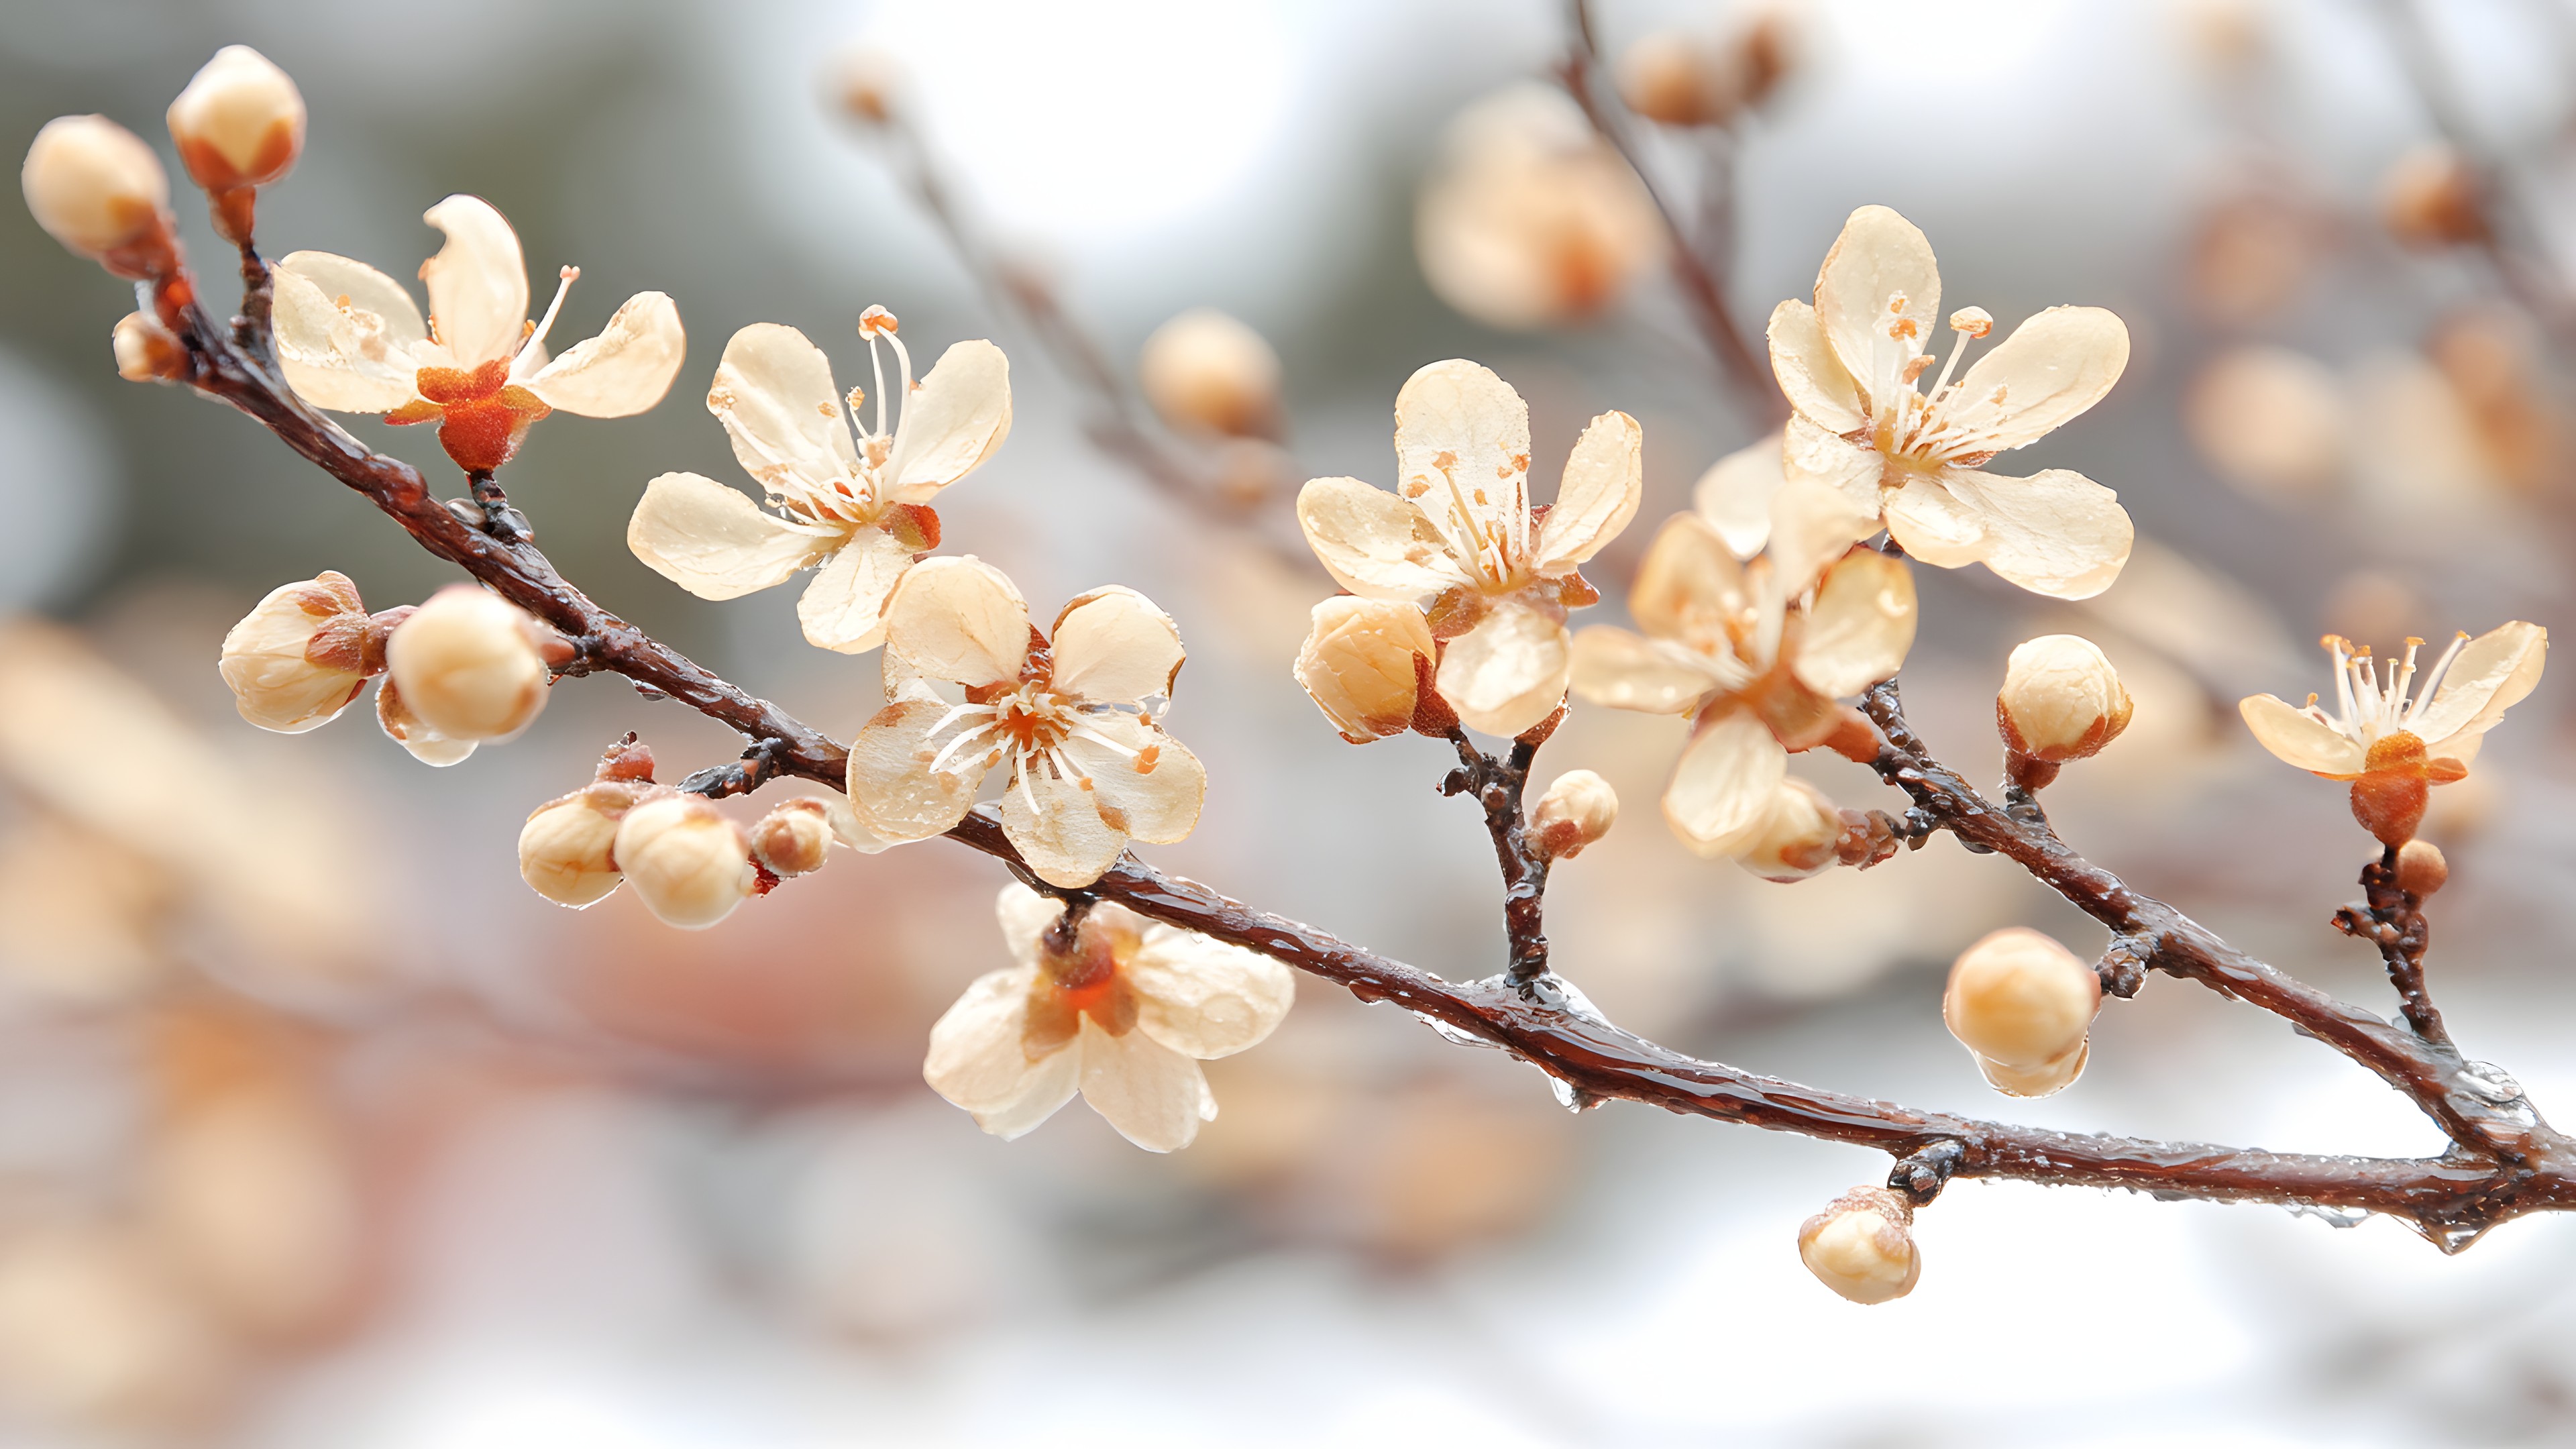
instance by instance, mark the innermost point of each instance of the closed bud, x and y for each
(2023, 1004)
(2061, 700)
(1578, 809)
(101, 192)
(1358, 665)
(1669, 78)
(794, 838)
(300, 657)
(415, 734)
(2430, 198)
(1862, 1246)
(468, 664)
(1799, 837)
(239, 123)
(567, 850)
(688, 863)
(2421, 870)
(146, 351)
(1206, 372)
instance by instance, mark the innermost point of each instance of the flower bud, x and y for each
(1799, 837)
(2421, 870)
(1206, 372)
(1668, 78)
(146, 351)
(101, 192)
(2061, 700)
(2430, 198)
(413, 733)
(1862, 1246)
(300, 657)
(688, 863)
(239, 123)
(2053, 1075)
(567, 848)
(793, 839)
(1358, 665)
(2022, 1001)
(1578, 809)
(468, 665)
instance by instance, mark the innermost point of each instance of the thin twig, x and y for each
(2393, 921)
(1497, 785)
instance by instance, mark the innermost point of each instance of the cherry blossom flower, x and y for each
(1076, 719)
(350, 340)
(862, 511)
(1119, 1008)
(1756, 654)
(1461, 537)
(2393, 739)
(1850, 366)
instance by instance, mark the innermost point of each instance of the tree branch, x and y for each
(1498, 786)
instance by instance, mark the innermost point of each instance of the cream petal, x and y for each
(1157, 804)
(1507, 673)
(478, 282)
(1689, 584)
(977, 1058)
(2052, 368)
(1373, 543)
(1720, 795)
(1204, 998)
(1153, 1095)
(952, 421)
(2057, 532)
(2300, 738)
(1024, 916)
(843, 610)
(1734, 495)
(1935, 525)
(1058, 1077)
(1620, 670)
(893, 790)
(1849, 468)
(959, 619)
(717, 543)
(1063, 837)
(1811, 526)
(2493, 673)
(1113, 646)
(1809, 374)
(623, 370)
(324, 359)
(367, 289)
(773, 392)
(1462, 452)
(1878, 297)
(1859, 627)
(1604, 481)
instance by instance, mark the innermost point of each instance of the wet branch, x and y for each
(2451, 1199)
(2393, 920)
(1497, 784)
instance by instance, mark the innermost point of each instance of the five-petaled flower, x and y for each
(1850, 365)
(2390, 747)
(1756, 654)
(1115, 1006)
(1090, 766)
(1461, 537)
(865, 508)
(350, 339)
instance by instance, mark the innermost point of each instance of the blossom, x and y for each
(2392, 738)
(1850, 365)
(1120, 1008)
(350, 340)
(1362, 665)
(1461, 536)
(1076, 719)
(862, 507)
(1755, 654)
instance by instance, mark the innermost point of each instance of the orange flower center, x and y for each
(482, 416)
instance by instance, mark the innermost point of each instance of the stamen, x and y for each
(877, 363)
(1020, 772)
(903, 356)
(563, 284)
(2433, 676)
(1085, 731)
(940, 761)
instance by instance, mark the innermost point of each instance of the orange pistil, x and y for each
(482, 416)
(2390, 794)
(1082, 981)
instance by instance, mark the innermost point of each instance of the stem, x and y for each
(1498, 785)
(2394, 921)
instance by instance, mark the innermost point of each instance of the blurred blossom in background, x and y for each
(317, 1128)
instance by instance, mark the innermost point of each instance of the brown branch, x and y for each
(2429, 1071)
(2451, 1199)
(1701, 285)
(2393, 921)
(1498, 784)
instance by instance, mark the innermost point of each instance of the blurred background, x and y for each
(317, 1128)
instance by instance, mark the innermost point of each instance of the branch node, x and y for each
(1920, 1175)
